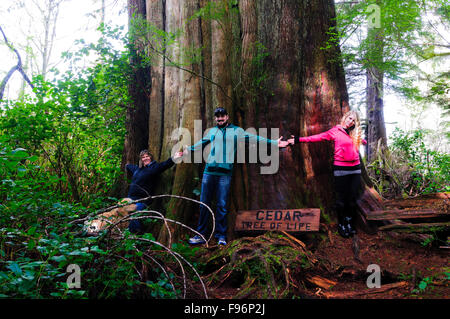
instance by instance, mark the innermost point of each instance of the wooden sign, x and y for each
(291, 220)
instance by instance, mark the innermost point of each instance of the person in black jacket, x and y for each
(145, 177)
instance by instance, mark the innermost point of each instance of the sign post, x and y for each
(289, 220)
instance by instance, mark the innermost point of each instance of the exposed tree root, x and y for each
(273, 265)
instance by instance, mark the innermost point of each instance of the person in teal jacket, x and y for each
(224, 139)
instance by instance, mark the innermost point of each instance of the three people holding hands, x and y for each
(217, 175)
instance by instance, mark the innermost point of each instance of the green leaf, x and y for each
(59, 258)
(15, 268)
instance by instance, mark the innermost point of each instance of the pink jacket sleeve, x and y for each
(325, 136)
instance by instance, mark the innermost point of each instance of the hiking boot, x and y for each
(222, 241)
(351, 230)
(196, 240)
(342, 230)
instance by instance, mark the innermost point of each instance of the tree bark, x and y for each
(156, 12)
(376, 128)
(271, 96)
(323, 99)
(137, 113)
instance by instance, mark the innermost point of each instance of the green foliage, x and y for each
(410, 167)
(431, 168)
(427, 283)
(60, 156)
(216, 10)
(74, 126)
(408, 36)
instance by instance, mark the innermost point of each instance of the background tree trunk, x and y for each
(262, 60)
(376, 128)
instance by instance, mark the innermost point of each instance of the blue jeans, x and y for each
(219, 186)
(135, 225)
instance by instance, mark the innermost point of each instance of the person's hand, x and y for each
(185, 150)
(281, 143)
(178, 155)
(291, 141)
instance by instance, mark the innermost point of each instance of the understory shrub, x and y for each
(409, 166)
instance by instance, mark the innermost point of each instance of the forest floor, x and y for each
(329, 266)
(404, 264)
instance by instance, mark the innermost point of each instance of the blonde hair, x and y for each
(356, 132)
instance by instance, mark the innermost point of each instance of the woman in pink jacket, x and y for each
(346, 167)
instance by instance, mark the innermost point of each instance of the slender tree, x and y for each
(376, 127)
(384, 43)
(18, 67)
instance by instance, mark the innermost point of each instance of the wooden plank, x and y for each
(415, 227)
(402, 214)
(428, 200)
(289, 220)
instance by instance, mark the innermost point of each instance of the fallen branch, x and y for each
(114, 229)
(177, 257)
(369, 291)
(294, 239)
(321, 282)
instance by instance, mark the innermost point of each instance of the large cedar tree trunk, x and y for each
(262, 60)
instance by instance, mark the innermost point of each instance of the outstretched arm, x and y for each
(131, 168)
(161, 167)
(199, 145)
(248, 137)
(325, 136)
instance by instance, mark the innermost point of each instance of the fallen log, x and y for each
(369, 201)
(368, 291)
(436, 201)
(403, 214)
(416, 228)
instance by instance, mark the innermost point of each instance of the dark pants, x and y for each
(135, 225)
(347, 192)
(220, 187)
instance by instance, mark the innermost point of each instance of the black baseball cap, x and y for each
(220, 111)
